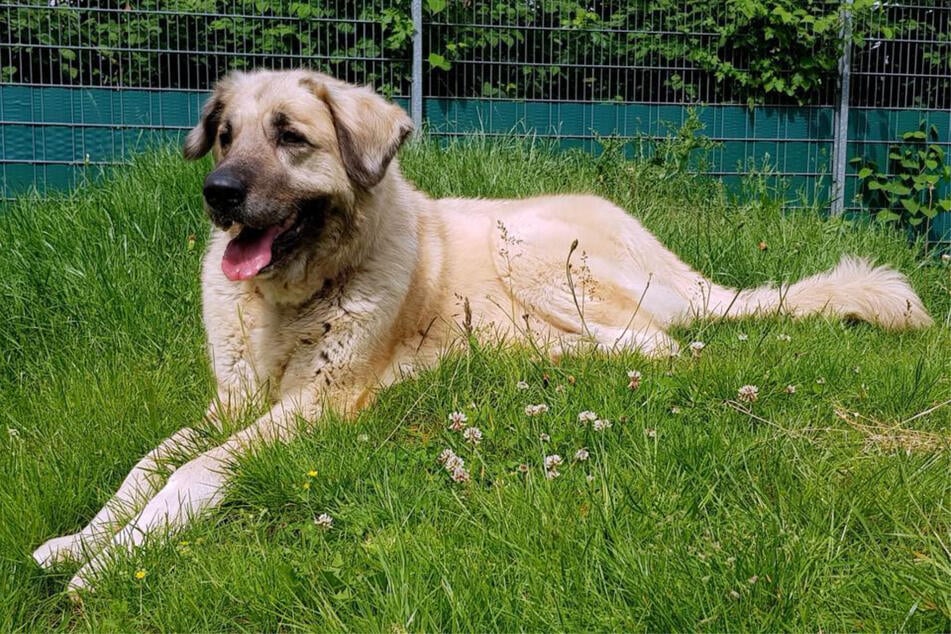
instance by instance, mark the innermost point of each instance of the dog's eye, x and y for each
(289, 137)
(224, 137)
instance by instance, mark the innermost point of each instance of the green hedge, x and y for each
(714, 51)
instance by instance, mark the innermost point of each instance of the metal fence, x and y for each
(801, 86)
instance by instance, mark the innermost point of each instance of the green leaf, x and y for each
(897, 188)
(911, 205)
(865, 172)
(435, 6)
(438, 61)
(67, 54)
(886, 215)
(910, 165)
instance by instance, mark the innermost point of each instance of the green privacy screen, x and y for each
(53, 138)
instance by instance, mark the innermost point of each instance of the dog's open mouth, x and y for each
(254, 250)
(250, 251)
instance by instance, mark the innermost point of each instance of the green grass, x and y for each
(696, 516)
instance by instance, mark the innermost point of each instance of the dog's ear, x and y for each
(202, 137)
(369, 129)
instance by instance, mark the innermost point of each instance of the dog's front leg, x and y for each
(143, 482)
(196, 486)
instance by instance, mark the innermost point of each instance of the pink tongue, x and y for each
(248, 253)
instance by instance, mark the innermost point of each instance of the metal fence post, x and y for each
(416, 90)
(841, 140)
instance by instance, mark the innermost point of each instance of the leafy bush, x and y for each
(740, 51)
(190, 43)
(913, 190)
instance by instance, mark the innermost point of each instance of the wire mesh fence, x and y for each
(796, 85)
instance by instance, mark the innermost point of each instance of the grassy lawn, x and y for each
(825, 506)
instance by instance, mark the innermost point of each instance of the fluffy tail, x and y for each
(854, 289)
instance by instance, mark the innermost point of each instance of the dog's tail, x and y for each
(854, 289)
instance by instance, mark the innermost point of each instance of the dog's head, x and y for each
(293, 152)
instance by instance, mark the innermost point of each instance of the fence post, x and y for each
(841, 141)
(416, 90)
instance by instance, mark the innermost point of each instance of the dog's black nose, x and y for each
(224, 190)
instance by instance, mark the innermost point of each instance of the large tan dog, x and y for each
(329, 275)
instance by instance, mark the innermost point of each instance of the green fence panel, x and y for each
(51, 137)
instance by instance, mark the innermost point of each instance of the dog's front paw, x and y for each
(67, 548)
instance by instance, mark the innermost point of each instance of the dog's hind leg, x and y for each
(142, 483)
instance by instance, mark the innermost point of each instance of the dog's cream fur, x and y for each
(395, 278)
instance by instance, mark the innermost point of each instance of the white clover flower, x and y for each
(460, 475)
(748, 393)
(544, 437)
(582, 454)
(589, 478)
(821, 380)
(535, 410)
(783, 337)
(675, 410)
(743, 336)
(523, 468)
(587, 416)
(790, 389)
(445, 456)
(521, 385)
(650, 433)
(601, 424)
(363, 437)
(13, 432)
(551, 474)
(635, 379)
(553, 462)
(696, 347)
(324, 521)
(457, 421)
(472, 435)
(450, 460)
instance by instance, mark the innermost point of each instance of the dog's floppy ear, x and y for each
(369, 129)
(202, 136)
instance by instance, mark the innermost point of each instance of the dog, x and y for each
(328, 275)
